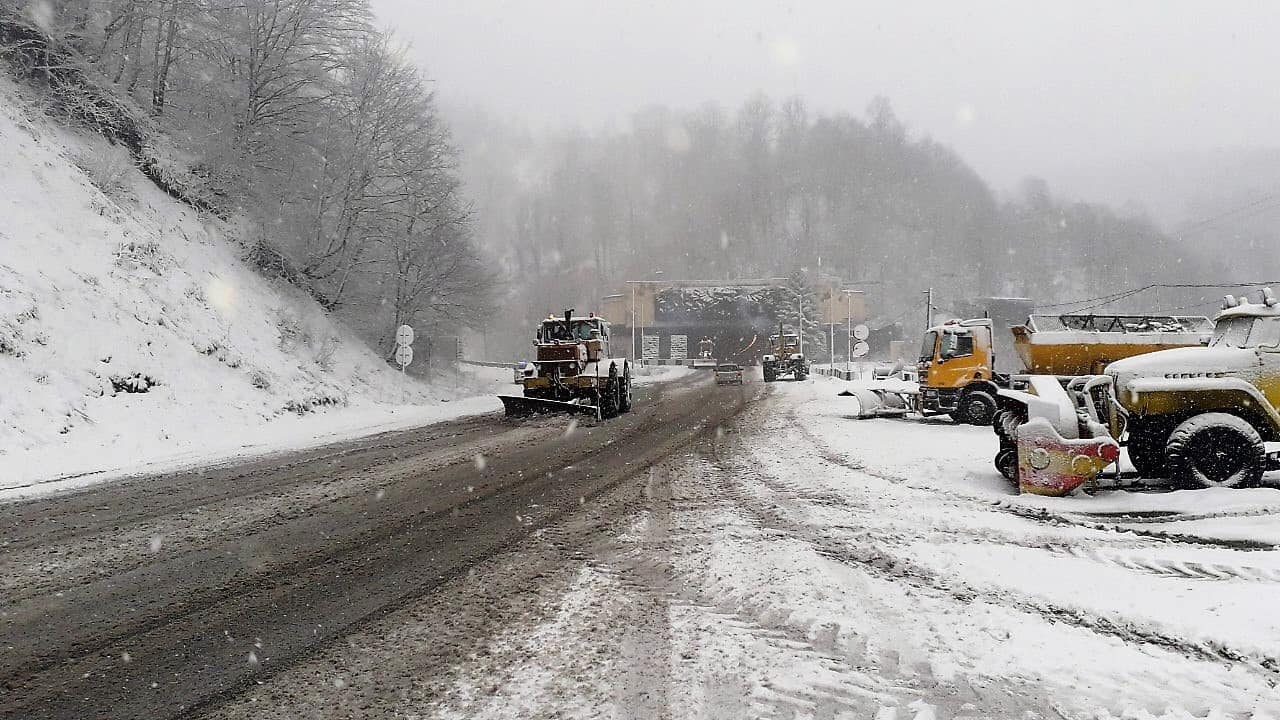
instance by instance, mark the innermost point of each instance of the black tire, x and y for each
(625, 404)
(1007, 463)
(976, 408)
(609, 395)
(801, 375)
(1148, 443)
(1216, 450)
(770, 374)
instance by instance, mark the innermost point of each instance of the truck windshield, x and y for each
(926, 350)
(1246, 332)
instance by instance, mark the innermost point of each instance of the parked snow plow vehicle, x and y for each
(1199, 416)
(572, 372)
(785, 357)
(956, 377)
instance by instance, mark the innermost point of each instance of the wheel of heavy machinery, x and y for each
(801, 375)
(1216, 450)
(770, 374)
(1007, 463)
(609, 395)
(1148, 440)
(625, 404)
(976, 408)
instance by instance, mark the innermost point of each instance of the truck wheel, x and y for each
(625, 404)
(770, 374)
(1007, 463)
(1148, 441)
(1216, 450)
(976, 408)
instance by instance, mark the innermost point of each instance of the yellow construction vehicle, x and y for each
(956, 372)
(1200, 416)
(572, 371)
(785, 357)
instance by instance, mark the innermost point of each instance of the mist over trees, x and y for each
(300, 117)
(772, 188)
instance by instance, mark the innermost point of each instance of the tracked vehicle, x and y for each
(573, 372)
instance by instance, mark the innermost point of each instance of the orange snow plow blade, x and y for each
(1049, 464)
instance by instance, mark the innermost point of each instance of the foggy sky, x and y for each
(1017, 88)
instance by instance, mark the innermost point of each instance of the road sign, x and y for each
(404, 335)
(861, 349)
(404, 355)
(861, 332)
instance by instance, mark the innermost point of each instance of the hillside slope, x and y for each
(130, 330)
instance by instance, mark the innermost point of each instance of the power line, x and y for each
(1267, 202)
(1113, 297)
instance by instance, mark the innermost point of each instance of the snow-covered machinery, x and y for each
(956, 374)
(785, 357)
(1199, 416)
(706, 359)
(573, 372)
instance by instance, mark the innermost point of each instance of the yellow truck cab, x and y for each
(956, 372)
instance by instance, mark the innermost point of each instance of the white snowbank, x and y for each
(134, 339)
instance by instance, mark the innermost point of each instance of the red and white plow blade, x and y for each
(1049, 464)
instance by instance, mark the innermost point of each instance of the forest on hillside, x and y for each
(773, 188)
(298, 120)
(309, 126)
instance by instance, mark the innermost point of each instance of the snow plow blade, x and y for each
(1049, 464)
(520, 406)
(877, 403)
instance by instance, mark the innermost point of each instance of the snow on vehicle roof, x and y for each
(1249, 310)
(572, 319)
(1120, 323)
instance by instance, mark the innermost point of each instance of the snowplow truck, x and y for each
(1199, 415)
(957, 376)
(784, 357)
(573, 372)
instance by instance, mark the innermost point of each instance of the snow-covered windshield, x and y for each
(926, 350)
(1246, 332)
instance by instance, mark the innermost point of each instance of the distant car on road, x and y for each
(728, 374)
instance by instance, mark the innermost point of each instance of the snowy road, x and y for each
(158, 597)
(780, 562)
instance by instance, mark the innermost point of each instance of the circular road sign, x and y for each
(404, 336)
(861, 332)
(404, 354)
(861, 349)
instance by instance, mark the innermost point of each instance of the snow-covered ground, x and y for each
(808, 565)
(134, 339)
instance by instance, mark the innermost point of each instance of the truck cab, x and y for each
(956, 372)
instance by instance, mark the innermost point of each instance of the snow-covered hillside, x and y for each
(130, 330)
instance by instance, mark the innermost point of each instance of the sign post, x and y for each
(404, 346)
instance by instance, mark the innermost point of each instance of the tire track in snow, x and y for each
(1038, 514)
(873, 557)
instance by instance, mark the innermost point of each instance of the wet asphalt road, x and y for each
(168, 596)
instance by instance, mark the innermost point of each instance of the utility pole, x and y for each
(800, 297)
(848, 333)
(928, 309)
(635, 353)
(832, 347)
